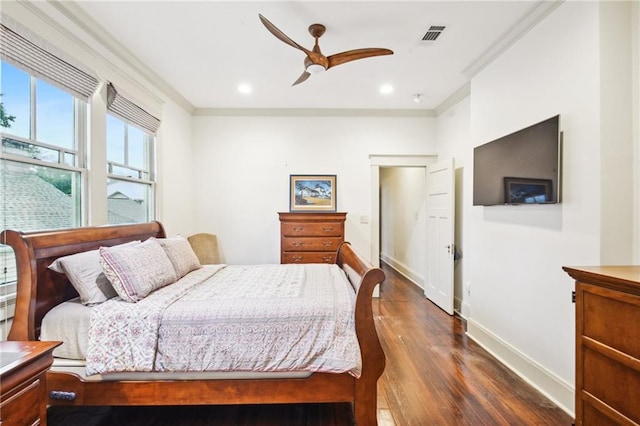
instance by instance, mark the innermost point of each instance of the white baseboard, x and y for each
(404, 270)
(461, 307)
(550, 385)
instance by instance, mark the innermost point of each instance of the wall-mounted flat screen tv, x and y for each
(520, 168)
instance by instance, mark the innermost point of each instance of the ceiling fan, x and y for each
(315, 61)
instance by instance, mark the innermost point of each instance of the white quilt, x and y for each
(235, 318)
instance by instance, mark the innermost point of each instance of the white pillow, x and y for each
(87, 276)
(180, 254)
(136, 271)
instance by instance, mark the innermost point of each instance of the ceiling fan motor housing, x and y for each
(315, 67)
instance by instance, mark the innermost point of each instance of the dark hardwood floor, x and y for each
(434, 376)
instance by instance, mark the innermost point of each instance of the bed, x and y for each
(40, 290)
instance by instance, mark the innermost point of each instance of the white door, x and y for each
(440, 225)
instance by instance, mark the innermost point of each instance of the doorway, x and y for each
(379, 162)
(402, 220)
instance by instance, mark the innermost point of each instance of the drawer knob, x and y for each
(298, 228)
(297, 243)
(327, 259)
(296, 258)
(327, 228)
(62, 395)
(327, 243)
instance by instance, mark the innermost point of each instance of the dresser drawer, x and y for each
(623, 396)
(308, 257)
(311, 243)
(312, 229)
(23, 408)
(608, 312)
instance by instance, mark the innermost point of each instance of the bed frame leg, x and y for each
(365, 406)
(365, 416)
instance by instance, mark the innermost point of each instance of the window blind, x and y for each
(38, 61)
(130, 112)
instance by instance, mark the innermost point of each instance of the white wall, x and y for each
(176, 195)
(243, 163)
(520, 299)
(616, 147)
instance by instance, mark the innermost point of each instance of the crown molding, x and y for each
(454, 98)
(534, 15)
(91, 27)
(311, 112)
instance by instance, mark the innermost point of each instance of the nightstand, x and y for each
(23, 386)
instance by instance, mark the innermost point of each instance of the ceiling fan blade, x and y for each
(303, 77)
(281, 36)
(352, 55)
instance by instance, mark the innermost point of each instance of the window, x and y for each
(42, 153)
(130, 175)
(41, 161)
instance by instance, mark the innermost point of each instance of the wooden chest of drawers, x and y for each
(310, 237)
(607, 345)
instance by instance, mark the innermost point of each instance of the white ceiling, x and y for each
(205, 49)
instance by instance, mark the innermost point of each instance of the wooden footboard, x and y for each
(39, 290)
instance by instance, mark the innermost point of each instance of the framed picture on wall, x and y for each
(527, 191)
(312, 193)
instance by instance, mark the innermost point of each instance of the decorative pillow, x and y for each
(87, 276)
(180, 254)
(136, 271)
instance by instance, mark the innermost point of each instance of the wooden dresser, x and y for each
(23, 386)
(607, 344)
(310, 237)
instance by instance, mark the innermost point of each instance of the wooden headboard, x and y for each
(39, 289)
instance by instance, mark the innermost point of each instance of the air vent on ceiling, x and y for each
(433, 33)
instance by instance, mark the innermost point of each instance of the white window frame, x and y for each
(81, 111)
(150, 140)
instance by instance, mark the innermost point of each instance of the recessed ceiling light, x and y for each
(244, 88)
(385, 89)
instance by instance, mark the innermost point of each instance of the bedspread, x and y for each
(233, 318)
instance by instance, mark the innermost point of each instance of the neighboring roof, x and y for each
(124, 210)
(119, 188)
(30, 203)
(125, 202)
